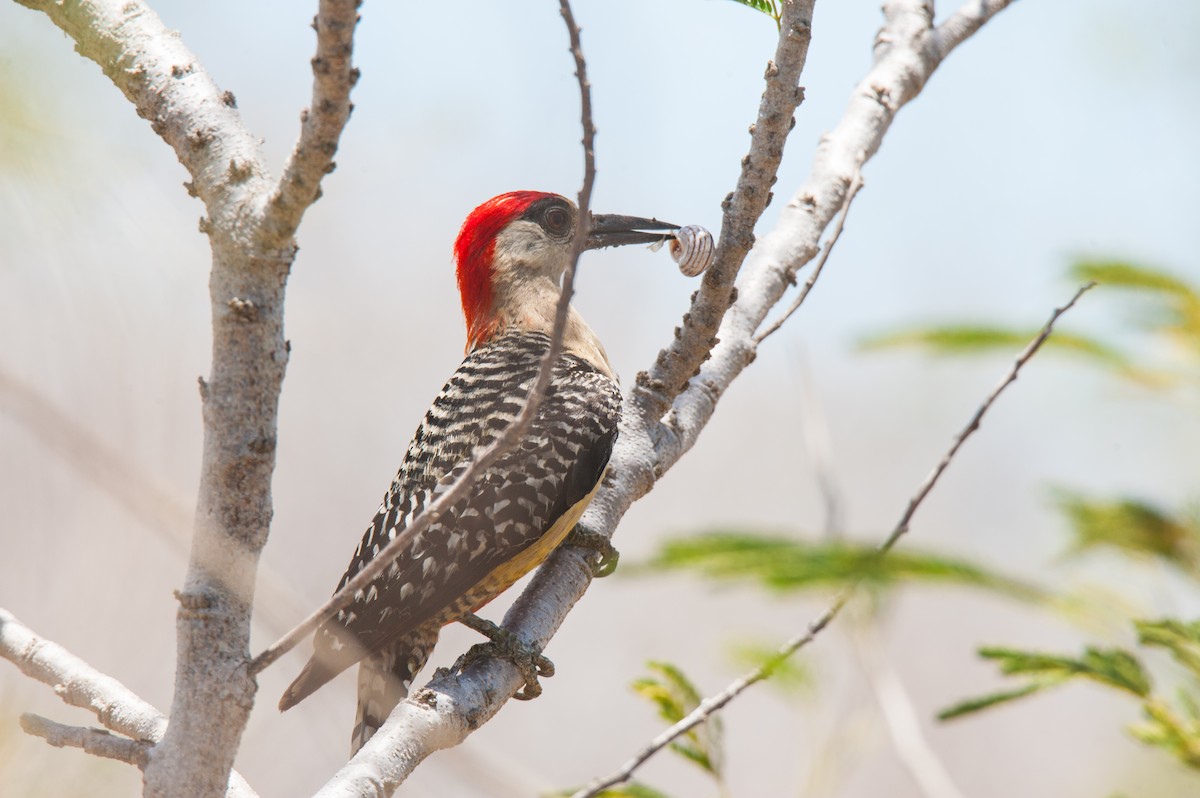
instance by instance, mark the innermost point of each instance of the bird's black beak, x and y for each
(610, 230)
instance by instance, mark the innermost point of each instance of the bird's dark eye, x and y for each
(557, 220)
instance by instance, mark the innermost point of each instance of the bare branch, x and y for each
(252, 254)
(96, 742)
(782, 94)
(77, 683)
(322, 123)
(81, 685)
(856, 183)
(714, 703)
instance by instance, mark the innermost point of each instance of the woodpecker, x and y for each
(510, 256)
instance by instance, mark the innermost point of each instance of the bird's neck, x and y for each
(530, 307)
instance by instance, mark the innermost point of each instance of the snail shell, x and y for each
(692, 248)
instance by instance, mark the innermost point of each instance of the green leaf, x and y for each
(972, 705)
(1178, 311)
(1164, 729)
(1181, 639)
(1113, 667)
(785, 564)
(1126, 274)
(976, 339)
(675, 696)
(1134, 527)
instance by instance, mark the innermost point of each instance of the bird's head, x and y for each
(513, 249)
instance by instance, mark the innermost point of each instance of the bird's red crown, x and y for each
(474, 250)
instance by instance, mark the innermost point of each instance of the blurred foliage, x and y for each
(973, 339)
(1174, 304)
(675, 697)
(786, 565)
(1166, 307)
(1167, 310)
(1133, 527)
(1170, 309)
(788, 674)
(769, 7)
(1172, 726)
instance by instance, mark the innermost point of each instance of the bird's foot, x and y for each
(504, 644)
(598, 545)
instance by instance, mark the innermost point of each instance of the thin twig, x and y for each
(97, 742)
(714, 703)
(508, 438)
(856, 183)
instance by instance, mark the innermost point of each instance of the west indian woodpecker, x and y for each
(510, 254)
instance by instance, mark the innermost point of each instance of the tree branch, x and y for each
(81, 685)
(252, 248)
(713, 704)
(654, 390)
(856, 183)
(96, 742)
(322, 123)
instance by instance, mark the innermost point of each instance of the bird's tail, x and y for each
(384, 679)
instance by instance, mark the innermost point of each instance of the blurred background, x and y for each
(1062, 130)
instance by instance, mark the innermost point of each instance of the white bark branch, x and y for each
(96, 742)
(80, 685)
(252, 241)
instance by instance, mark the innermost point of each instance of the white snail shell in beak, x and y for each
(692, 248)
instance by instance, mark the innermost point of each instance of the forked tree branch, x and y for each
(711, 705)
(80, 685)
(650, 441)
(96, 742)
(252, 242)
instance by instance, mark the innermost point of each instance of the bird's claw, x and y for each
(598, 544)
(505, 645)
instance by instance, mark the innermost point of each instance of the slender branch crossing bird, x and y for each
(510, 255)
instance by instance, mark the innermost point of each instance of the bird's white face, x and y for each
(535, 248)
